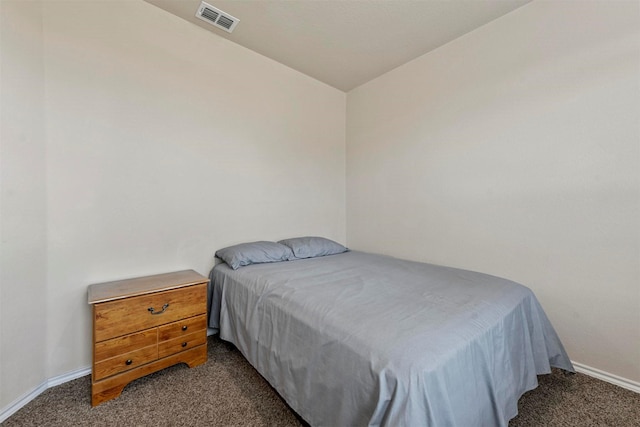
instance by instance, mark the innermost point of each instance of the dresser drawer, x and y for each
(130, 315)
(121, 317)
(125, 344)
(182, 328)
(124, 362)
(167, 348)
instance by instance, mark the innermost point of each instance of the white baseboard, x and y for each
(61, 379)
(606, 376)
(17, 404)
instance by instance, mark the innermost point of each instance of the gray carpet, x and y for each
(227, 391)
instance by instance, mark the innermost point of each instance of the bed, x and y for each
(354, 339)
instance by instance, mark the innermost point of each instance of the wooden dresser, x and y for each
(143, 325)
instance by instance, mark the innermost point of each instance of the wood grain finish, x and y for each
(131, 341)
(182, 328)
(125, 344)
(111, 387)
(176, 345)
(115, 318)
(120, 289)
(124, 362)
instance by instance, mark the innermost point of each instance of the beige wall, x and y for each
(515, 150)
(23, 307)
(162, 144)
(166, 143)
(136, 143)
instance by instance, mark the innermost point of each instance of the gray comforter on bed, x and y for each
(360, 339)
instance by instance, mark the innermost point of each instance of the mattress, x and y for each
(364, 339)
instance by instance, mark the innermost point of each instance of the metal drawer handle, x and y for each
(152, 310)
(184, 344)
(184, 328)
(128, 362)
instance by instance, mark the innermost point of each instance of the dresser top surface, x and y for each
(109, 291)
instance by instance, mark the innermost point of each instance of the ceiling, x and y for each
(345, 43)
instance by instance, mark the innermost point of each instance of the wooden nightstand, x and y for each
(143, 325)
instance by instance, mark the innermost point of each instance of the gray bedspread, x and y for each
(360, 339)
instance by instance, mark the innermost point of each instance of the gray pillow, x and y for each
(310, 247)
(254, 253)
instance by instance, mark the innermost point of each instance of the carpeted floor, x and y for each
(227, 391)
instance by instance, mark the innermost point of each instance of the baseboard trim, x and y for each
(17, 404)
(606, 376)
(61, 379)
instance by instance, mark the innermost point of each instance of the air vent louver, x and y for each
(210, 14)
(216, 17)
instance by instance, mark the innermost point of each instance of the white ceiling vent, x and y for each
(215, 16)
